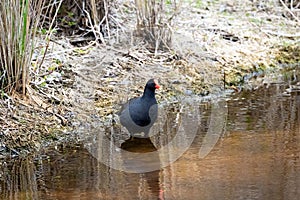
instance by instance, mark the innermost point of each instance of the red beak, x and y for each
(157, 86)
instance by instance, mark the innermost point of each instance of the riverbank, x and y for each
(216, 46)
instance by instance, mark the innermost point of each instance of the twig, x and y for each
(289, 10)
(44, 107)
(72, 49)
(97, 34)
(48, 36)
(106, 16)
(281, 34)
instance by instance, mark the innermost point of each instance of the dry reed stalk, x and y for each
(153, 23)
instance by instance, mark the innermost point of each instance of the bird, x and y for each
(140, 113)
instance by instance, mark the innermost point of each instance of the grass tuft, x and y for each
(19, 21)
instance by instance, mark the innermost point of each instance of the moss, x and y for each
(288, 54)
(234, 78)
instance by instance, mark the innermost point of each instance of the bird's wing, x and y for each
(125, 106)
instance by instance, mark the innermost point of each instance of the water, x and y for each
(254, 154)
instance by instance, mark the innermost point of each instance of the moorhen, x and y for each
(139, 114)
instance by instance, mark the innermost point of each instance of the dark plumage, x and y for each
(139, 114)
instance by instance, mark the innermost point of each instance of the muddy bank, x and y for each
(216, 46)
(255, 153)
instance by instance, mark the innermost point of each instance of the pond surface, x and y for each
(253, 153)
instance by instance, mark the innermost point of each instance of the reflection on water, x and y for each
(258, 157)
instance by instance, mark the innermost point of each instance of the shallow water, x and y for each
(253, 153)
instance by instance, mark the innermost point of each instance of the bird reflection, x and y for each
(143, 146)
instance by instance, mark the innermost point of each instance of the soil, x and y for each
(216, 46)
